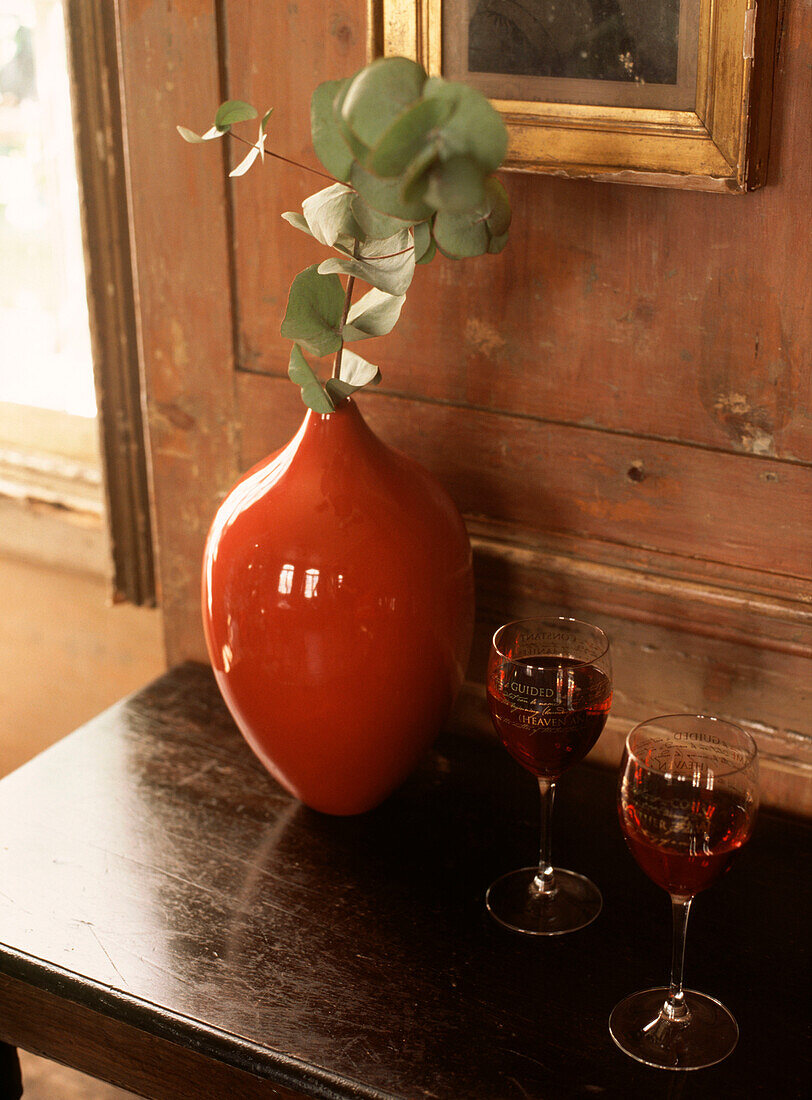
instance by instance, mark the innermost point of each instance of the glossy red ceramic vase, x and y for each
(338, 611)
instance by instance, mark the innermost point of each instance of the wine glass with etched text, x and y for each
(549, 693)
(687, 800)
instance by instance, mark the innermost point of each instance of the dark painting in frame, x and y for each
(659, 92)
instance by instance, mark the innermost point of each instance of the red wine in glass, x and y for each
(721, 824)
(549, 692)
(551, 723)
(687, 800)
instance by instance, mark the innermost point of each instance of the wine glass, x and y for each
(687, 801)
(549, 693)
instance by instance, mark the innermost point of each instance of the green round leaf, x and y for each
(429, 254)
(373, 225)
(385, 197)
(500, 214)
(376, 314)
(233, 110)
(357, 148)
(455, 185)
(378, 94)
(314, 310)
(473, 128)
(300, 372)
(415, 179)
(459, 236)
(422, 240)
(328, 140)
(496, 244)
(406, 137)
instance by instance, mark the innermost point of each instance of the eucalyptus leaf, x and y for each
(358, 151)
(498, 219)
(473, 127)
(384, 196)
(415, 180)
(297, 220)
(263, 122)
(373, 225)
(387, 264)
(329, 214)
(422, 240)
(459, 236)
(429, 254)
(406, 137)
(196, 139)
(375, 314)
(378, 94)
(233, 110)
(328, 142)
(496, 244)
(355, 374)
(300, 372)
(455, 185)
(314, 310)
(247, 161)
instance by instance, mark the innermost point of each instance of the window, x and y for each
(46, 360)
(52, 311)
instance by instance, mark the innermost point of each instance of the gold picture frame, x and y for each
(717, 142)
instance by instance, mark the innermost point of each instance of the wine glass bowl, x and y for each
(687, 801)
(549, 690)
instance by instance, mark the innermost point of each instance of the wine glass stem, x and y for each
(675, 1007)
(544, 882)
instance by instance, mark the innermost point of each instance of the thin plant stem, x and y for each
(675, 1007)
(544, 882)
(344, 315)
(287, 160)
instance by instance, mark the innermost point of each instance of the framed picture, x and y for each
(661, 92)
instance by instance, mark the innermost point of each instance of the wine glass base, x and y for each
(514, 901)
(641, 1030)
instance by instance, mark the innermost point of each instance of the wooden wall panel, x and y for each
(277, 62)
(620, 402)
(180, 236)
(579, 481)
(671, 314)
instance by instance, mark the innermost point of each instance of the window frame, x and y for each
(93, 65)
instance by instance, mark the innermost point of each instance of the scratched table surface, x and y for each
(152, 872)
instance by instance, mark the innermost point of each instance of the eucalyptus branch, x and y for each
(382, 128)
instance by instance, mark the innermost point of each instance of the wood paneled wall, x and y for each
(619, 402)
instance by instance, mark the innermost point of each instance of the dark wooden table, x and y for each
(172, 921)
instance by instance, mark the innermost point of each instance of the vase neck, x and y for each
(340, 430)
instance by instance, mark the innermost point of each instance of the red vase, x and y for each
(338, 611)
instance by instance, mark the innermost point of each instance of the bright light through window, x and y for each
(45, 355)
